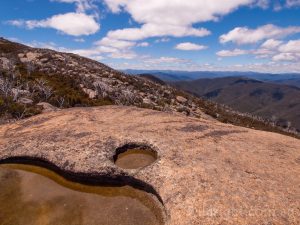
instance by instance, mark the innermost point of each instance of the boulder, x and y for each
(181, 99)
(91, 93)
(5, 63)
(47, 107)
(25, 101)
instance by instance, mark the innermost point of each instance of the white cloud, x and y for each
(114, 43)
(245, 35)
(177, 21)
(113, 48)
(278, 4)
(171, 59)
(90, 53)
(75, 24)
(292, 46)
(271, 44)
(156, 30)
(286, 57)
(165, 60)
(39, 44)
(17, 23)
(188, 46)
(176, 12)
(230, 53)
(263, 3)
(155, 64)
(162, 40)
(271, 49)
(292, 3)
(98, 57)
(81, 5)
(143, 44)
(289, 51)
(171, 18)
(263, 52)
(79, 40)
(123, 55)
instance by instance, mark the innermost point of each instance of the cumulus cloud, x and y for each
(156, 30)
(289, 51)
(169, 18)
(123, 55)
(112, 48)
(75, 24)
(176, 12)
(273, 49)
(177, 20)
(118, 44)
(230, 53)
(245, 35)
(188, 46)
(271, 44)
(286, 57)
(292, 46)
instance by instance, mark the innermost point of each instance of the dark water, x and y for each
(135, 158)
(32, 195)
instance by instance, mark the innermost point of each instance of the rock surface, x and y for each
(47, 107)
(206, 173)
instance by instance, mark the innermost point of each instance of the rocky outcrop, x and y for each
(207, 172)
(95, 80)
(67, 80)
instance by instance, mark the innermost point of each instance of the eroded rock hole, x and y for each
(35, 195)
(134, 156)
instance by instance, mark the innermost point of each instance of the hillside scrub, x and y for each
(29, 76)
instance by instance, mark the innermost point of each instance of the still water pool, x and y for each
(31, 195)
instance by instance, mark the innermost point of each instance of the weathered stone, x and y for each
(47, 107)
(5, 63)
(26, 101)
(24, 60)
(32, 56)
(44, 60)
(91, 93)
(206, 172)
(59, 57)
(147, 101)
(181, 99)
(21, 55)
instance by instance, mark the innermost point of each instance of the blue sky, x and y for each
(235, 35)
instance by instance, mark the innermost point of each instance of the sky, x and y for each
(189, 35)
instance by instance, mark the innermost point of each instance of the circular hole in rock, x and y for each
(134, 156)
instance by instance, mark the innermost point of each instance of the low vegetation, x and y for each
(31, 76)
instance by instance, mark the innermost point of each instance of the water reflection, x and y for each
(135, 158)
(37, 196)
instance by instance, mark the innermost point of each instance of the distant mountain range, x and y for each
(169, 75)
(276, 101)
(34, 81)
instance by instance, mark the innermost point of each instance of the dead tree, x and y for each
(5, 87)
